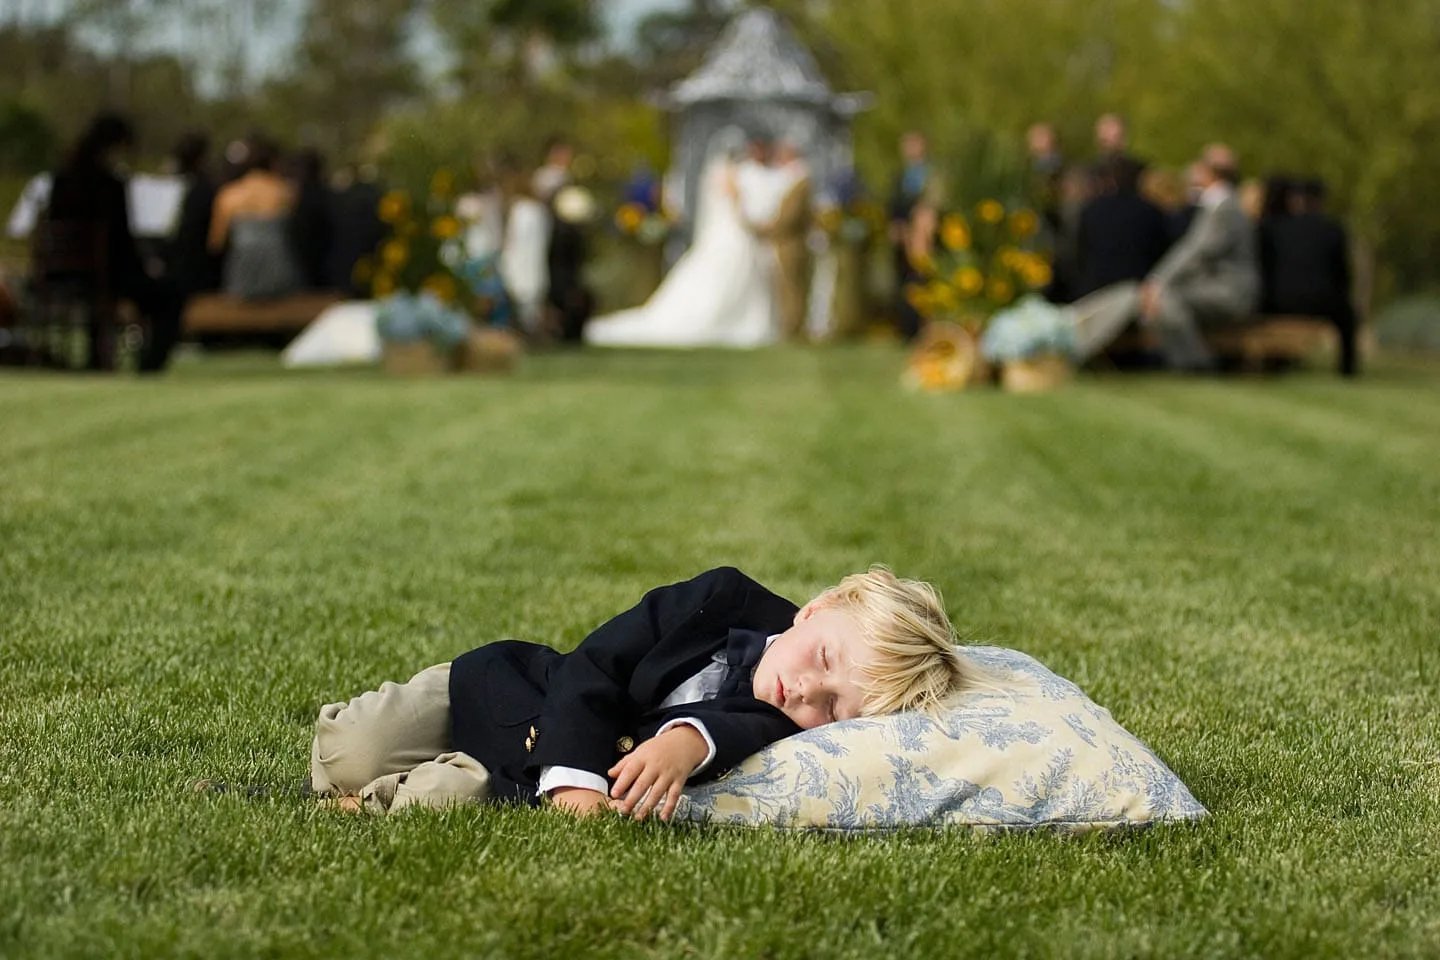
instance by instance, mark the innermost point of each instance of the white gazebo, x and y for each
(757, 77)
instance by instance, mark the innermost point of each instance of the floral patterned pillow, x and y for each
(1034, 751)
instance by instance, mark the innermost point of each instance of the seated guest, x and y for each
(311, 230)
(251, 226)
(356, 228)
(190, 265)
(1211, 277)
(87, 192)
(1305, 263)
(1165, 189)
(1121, 235)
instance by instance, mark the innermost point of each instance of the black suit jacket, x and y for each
(517, 707)
(1305, 264)
(1121, 237)
(97, 196)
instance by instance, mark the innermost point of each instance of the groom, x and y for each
(788, 233)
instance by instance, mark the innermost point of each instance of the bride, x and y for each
(719, 294)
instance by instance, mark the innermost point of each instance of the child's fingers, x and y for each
(626, 775)
(661, 797)
(637, 790)
(672, 800)
(651, 799)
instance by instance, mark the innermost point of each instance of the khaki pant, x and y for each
(391, 747)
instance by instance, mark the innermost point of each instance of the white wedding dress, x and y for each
(719, 294)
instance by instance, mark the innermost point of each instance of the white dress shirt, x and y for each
(702, 686)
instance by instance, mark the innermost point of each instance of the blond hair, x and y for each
(904, 622)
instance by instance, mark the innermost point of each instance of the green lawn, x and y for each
(1247, 572)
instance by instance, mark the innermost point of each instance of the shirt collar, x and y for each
(1215, 194)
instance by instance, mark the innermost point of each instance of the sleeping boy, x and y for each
(693, 679)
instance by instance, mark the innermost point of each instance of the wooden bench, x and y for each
(1266, 341)
(216, 315)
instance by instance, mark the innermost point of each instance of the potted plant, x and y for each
(978, 265)
(425, 309)
(1033, 343)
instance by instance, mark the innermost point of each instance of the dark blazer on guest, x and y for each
(1121, 237)
(517, 707)
(1305, 264)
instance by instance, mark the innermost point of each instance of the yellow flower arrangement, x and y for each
(629, 217)
(955, 232)
(394, 207)
(978, 267)
(442, 286)
(442, 184)
(990, 211)
(969, 281)
(1024, 224)
(422, 244)
(445, 228)
(394, 253)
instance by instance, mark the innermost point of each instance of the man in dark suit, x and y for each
(693, 679)
(1122, 236)
(1305, 266)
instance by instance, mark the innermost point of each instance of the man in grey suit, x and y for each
(1210, 277)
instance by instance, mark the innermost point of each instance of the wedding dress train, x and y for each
(718, 294)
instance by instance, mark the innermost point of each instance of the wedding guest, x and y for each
(1077, 188)
(524, 254)
(1305, 261)
(250, 225)
(607, 726)
(642, 189)
(570, 299)
(554, 173)
(88, 191)
(909, 239)
(1112, 140)
(1044, 164)
(1252, 196)
(356, 227)
(190, 265)
(311, 220)
(1122, 235)
(838, 297)
(1210, 277)
(1166, 190)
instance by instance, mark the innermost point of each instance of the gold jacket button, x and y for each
(625, 744)
(529, 745)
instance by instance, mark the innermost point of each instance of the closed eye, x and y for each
(824, 659)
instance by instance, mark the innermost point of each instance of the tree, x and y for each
(352, 68)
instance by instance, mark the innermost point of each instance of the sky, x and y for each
(273, 38)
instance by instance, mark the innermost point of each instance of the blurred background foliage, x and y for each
(1334, 88)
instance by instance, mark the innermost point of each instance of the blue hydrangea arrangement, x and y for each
(408, 317)
(1032, 328)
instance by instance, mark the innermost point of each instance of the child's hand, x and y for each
(657, 769)
(578, 800)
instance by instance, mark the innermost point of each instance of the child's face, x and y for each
(810, 671)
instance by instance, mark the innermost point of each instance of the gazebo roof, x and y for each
(759, 58)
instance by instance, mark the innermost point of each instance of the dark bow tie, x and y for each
(743, 650)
